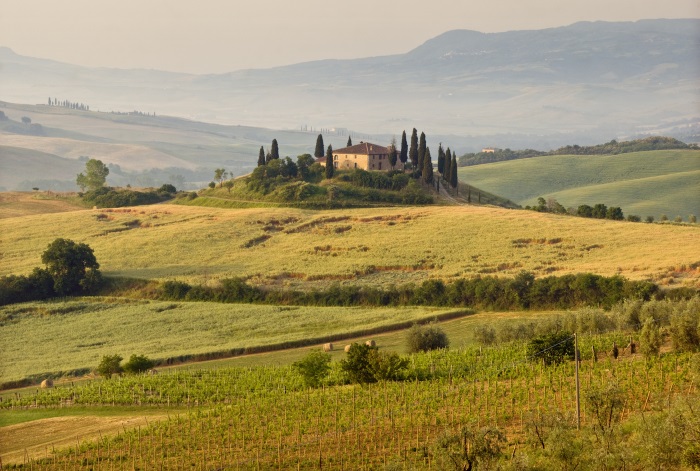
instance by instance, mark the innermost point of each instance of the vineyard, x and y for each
(494, 398)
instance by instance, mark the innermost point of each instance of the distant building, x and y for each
(364, 155)
(489, 150)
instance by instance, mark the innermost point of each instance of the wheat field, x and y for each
(374, 246)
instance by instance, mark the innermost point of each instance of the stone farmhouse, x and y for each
(364, 155)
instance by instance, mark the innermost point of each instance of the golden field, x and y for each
(372, 246)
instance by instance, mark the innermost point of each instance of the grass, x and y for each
(372, 246)
(18, 204)
(645, 183)
(68, 335)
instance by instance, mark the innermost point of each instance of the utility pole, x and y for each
(578, 389)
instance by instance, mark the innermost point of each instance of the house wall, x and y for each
(365, 162)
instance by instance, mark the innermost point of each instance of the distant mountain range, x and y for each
(581, 84)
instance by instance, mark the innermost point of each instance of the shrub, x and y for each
(685, 331)
(425, 338)
(138, 364)
(485, 335)
(357, 364)
(313, 368)
(386, 366)
(552, 348)
(650, 338)
(109, 365)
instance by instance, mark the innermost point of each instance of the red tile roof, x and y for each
(363, 148)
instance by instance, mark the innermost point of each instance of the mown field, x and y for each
(66, 335)
(376, 247)
(643, 183)
(17, 204)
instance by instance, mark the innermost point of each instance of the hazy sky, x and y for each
(212, 36)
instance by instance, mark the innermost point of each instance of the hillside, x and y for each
(643, 183)
(587, 83)
(370, 247)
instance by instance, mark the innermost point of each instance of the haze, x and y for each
(215, 36)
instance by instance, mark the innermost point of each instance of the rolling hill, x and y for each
(584, 83)
(372, 247)
(643, 183)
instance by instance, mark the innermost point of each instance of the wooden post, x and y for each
(578, 391)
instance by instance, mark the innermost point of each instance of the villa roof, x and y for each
(363, 148)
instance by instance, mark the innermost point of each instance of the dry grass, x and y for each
(378, 246)
(17, 204)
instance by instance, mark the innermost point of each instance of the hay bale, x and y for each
(327, 347)
(47, 383)
(371, 343)
(347, 348)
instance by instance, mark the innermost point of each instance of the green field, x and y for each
(643, 183)
(67, 335)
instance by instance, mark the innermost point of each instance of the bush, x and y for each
(313, 368)
(386, 366)
(110, 365)
(650, 338)
(485, 335)
(138, 364)
(552, 348)
(426, 338)
(357, 364)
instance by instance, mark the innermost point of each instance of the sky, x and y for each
(217, 36)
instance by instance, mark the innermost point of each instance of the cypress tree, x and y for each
(274, 151)
(404, 150)
(393, 154)
(421, 152)
(453, 173)
(448, 168)
(261, 157)
(349, 144)
(427, 167)
(441, 159)
(319, 146)
(413, 152)
(329, 162)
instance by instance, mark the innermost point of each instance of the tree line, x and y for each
(609, 148)
(73, 105)
(522, 292)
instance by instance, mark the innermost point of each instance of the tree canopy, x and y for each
(318, 152)
(72, 266)
(94, 177)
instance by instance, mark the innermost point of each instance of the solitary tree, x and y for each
(110, 365)
(421, 152)
(349, 141)
(427, 167)
(393, 154)
(413, 151)
(453, 172)
(228, 184)
(319, 146)
(329, 162)
(261, 157)
(219, 175)
(72, 266)
(274, 150)
(313, 368)
(26, 120)
(403, 156)
(94, 177)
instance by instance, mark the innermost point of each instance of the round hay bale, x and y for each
(47, 383)
(347, 348)
(327, 347)
(371, 343)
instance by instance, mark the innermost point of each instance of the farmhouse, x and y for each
(364, 155)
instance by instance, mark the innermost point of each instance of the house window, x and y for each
(355, 164)
(335, 157)
(335, 164)
(380, 165)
